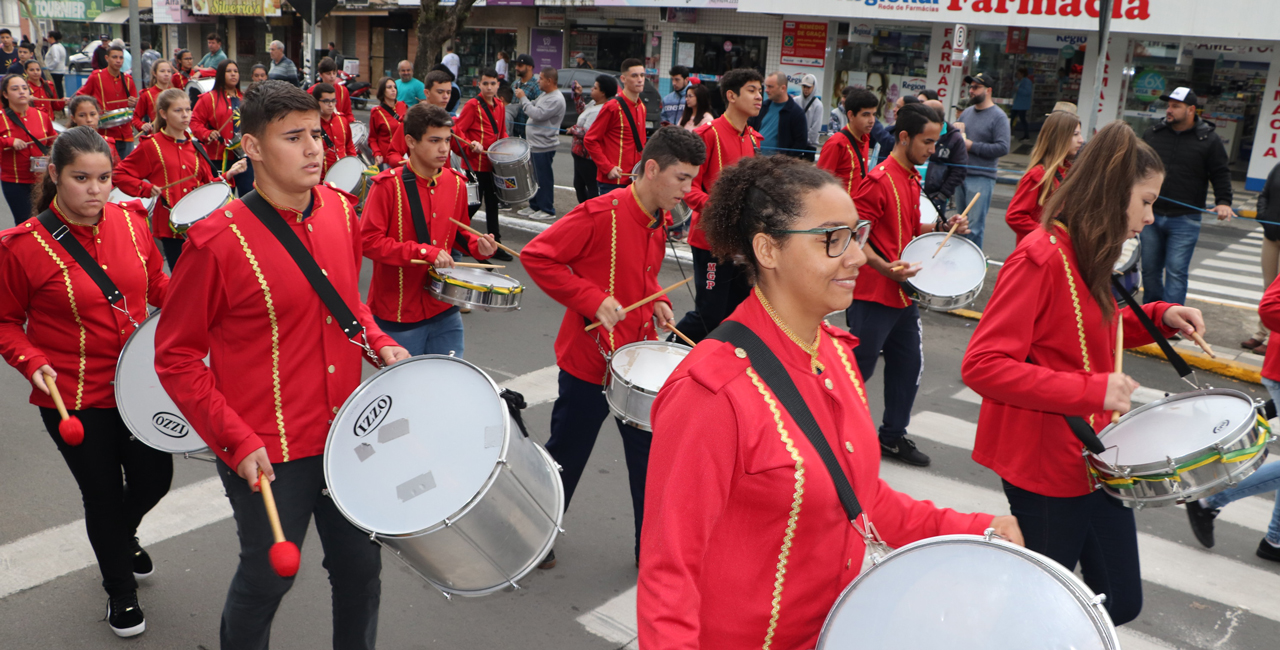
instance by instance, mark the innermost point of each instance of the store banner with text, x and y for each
(82, 11)
(804, 44)
(548, 48)
(1266, 142)
(236, 7)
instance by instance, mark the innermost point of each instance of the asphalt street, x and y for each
(1224, 598)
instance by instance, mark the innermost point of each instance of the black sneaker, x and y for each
(1268, 552)
(124, 615)
(142, 565)
(1202, 522)
(548, 562)
(502, 255)
(905, 451)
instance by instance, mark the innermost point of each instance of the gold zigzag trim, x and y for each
(146, 279)
(897, 202)
(275, 341)
(400, 237)
(75, 312)
(853, 377)
(796, 501)
(613, 265)
(1075, 303)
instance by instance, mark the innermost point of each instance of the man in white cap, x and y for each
(812, 105)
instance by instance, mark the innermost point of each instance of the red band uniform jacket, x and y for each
(890, 199)
(1269, 314)
(1025, 211)
(157, 161)
(474, 125)
(337, 140)
(607, 246)
(1041, 351)
(398, 290)
(610, 141)
(745, 543)
(211, 115)
(382, 125)
(725, 146)
(42, 89)
(846, 160)
(15, 165)
(145, 111)
(280, 367)
(69, 324)
(112, 93)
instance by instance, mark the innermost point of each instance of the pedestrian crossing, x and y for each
(1232, 276)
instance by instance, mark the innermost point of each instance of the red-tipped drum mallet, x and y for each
(70, 428)
(285, 556)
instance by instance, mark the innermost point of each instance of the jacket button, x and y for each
(309, 229)
(227, 213)
(21, 357)
(104, 267)
(848, 446)
(335, 410)
(615, 201)
(742, 354)
(328, 320)
(827, 382)
(1053, 239)
(331, 369)
(326, 273)
(422, 251)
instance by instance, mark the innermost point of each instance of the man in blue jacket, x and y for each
(781, 121)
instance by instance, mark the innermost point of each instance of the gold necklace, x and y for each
(810, 349)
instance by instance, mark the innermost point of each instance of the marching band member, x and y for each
(845, 154)
(145, 112)
(25, 133)
(720, 286)
(604, 254)
(42, 93)
(329, 75)
(882, 316)
(616, 138)
(280, 365)
(184, 68)
(257, 73)
(731, 558)
(213, 121)
(1056, 148)
(1042, 354)
(482, 122)
(384, 119)
(400, 304)
(438, 86)
(84, 111)
(335, 127)
(114, 90)
(168, 165)
(74, 336)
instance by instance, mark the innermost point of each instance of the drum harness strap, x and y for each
(62, 234)
(631, 122)
(307, 264)
(856, 151)
(776, 378)
(44, 151)
(415, 206)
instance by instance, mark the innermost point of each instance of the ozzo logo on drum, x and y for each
(506, 182)
(170, 425)
(711, 275)
(1222, 426)
(372, 416)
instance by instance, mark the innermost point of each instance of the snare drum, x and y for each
(475, 289)
(1180, 448)
(966, 592)
(359, 133)
(928, 211)
(144, 405)
(348, 175)
(949, 281)
(39, 164)
(637, 372)
(442, 477)
(118, 196)
(198, 204)
(118, 117)
(513, 170)
(59, 127)
(1129, 266)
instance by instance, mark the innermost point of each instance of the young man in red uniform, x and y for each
(280, 365)
(720, 286)
(398, 298)
(845, 153)
(482, 122)
(882, 316)
(438, 87)
(616, 139)
(114, 90)
(336, 128)
(604, 254)
(329, 75)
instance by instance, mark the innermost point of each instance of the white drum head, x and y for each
(205, 84)
(199, 203)
(346, 174)
(957, 269)
(414, 444)
(359, 133)
(1128, 255)
(508, 150)
(961, 592)
(117, 196)
(144, 405)
(928, 213)
(647, 364)
(1176, 426)
(480, 277)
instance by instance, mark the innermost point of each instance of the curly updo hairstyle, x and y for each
(757, 195)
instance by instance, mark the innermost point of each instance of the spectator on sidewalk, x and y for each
(948, 165)
(543, 134)
(838, 120)
(501, 67)
(336, 54)
(1193, 156)
(149, 57)
(781, 121)
(56, 60)
(9, 51)
(697, 107)
(451, 60)
(673, 102)
(1022, 90)
(409, 89)
(1269, 217)
(986, 137)
(1055, 150)
(26, 52)
(215, 55)
(524, 81)
(584, 168)
(282, 67)
(812, 105)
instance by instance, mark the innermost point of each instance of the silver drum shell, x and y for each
(931, 302)
(473, 193)
(1196, 483)
(514, 178)
(627, 401)
(470, 298)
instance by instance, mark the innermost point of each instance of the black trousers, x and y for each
(719, 288)
(575, 423)
(896, 333)
(489, 196)
(18, 196)
(114, 502)
(171, 247)
(353, 561)
(584, 178)
(1094, 530)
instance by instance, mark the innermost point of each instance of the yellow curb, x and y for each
(1232, 369)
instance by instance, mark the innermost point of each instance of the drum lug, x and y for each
(445, 594)
(560, 530)
(1098, 601)
(990, 534)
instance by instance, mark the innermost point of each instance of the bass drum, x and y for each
(144, 405)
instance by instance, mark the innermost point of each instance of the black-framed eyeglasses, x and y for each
(838, 237)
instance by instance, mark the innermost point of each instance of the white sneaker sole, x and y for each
(127, 632)
(143, 576)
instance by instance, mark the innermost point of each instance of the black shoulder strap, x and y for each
(857, 151)
(492, 122)
(415, 204)
(775, 376)
(62, 234)
(203, 154)
(36, 141)
(631, 121)
(306, 263)
(1179, 364)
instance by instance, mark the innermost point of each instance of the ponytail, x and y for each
(66, 149)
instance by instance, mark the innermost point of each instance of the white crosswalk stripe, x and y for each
(1232, 276)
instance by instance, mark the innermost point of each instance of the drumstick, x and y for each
(957, 223)
(466, 265)
(47, 137)
(682, 336)
(1115, 415)
(70, 428)
(469, 143)
(180, 180)
(647, 300)
(285, 556)
(1204, 345)
(480, 234)
(905, 266)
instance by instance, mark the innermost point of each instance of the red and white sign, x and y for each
(804, 44)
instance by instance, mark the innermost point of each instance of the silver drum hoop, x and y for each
(628, 400)
(471, 288)
(958, 252)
